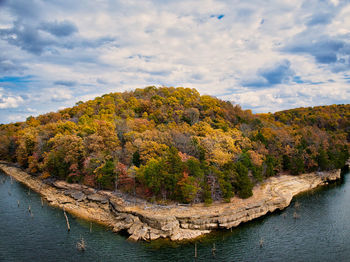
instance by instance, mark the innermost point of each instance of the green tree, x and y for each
(322, 159)
(297, 165)
(106, 175)
(136, 159)
(270, 164)
(243, 184)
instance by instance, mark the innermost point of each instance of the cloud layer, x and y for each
(265, 57)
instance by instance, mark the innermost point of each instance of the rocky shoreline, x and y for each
(146, 221)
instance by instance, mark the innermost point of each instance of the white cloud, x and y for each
(16, 118)
(9, 101)
(282, 97)
(133, 44)
(59, 94)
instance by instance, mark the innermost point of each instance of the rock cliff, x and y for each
(147, 221)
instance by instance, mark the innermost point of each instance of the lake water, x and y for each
(321, 233)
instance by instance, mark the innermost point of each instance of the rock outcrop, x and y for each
(147, 221)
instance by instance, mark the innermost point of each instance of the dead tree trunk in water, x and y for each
(67, 221)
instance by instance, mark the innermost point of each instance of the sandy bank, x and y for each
(148, 222)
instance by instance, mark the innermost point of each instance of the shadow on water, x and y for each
(321, 233)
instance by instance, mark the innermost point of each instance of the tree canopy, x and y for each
(174, 144)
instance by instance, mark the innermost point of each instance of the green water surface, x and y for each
(322, 233)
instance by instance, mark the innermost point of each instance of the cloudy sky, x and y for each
(264, 55)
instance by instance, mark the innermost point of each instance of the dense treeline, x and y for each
(330, 118)
(173, 143)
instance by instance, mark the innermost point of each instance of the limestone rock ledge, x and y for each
(348, 163)
(149, 222)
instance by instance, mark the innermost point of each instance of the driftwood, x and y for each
(65, 215)
(296, 215)
(261, 242)
(81, 245)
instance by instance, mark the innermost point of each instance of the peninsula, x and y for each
(171, 163)
(146, 221)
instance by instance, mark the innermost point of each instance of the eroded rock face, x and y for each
(60, 184)
(150, 222)
(180, 224)
(348, 162)
(98, 198)
(79, 196)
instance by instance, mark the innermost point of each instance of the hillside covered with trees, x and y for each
(174, 144)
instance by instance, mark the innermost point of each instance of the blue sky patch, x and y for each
(219, 17)
(298, 80)
(16, 79)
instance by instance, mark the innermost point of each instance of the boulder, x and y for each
(138, 232)
(79, 196)
(60, 184)
(89, 191)
(98, 198)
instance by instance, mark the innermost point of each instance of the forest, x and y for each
(173, 144)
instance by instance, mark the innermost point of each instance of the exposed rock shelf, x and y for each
(148, 222)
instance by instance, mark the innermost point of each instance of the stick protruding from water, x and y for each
(67, 221)
(81, 245)
(261, 242)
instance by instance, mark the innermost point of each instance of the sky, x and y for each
(264, 55)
